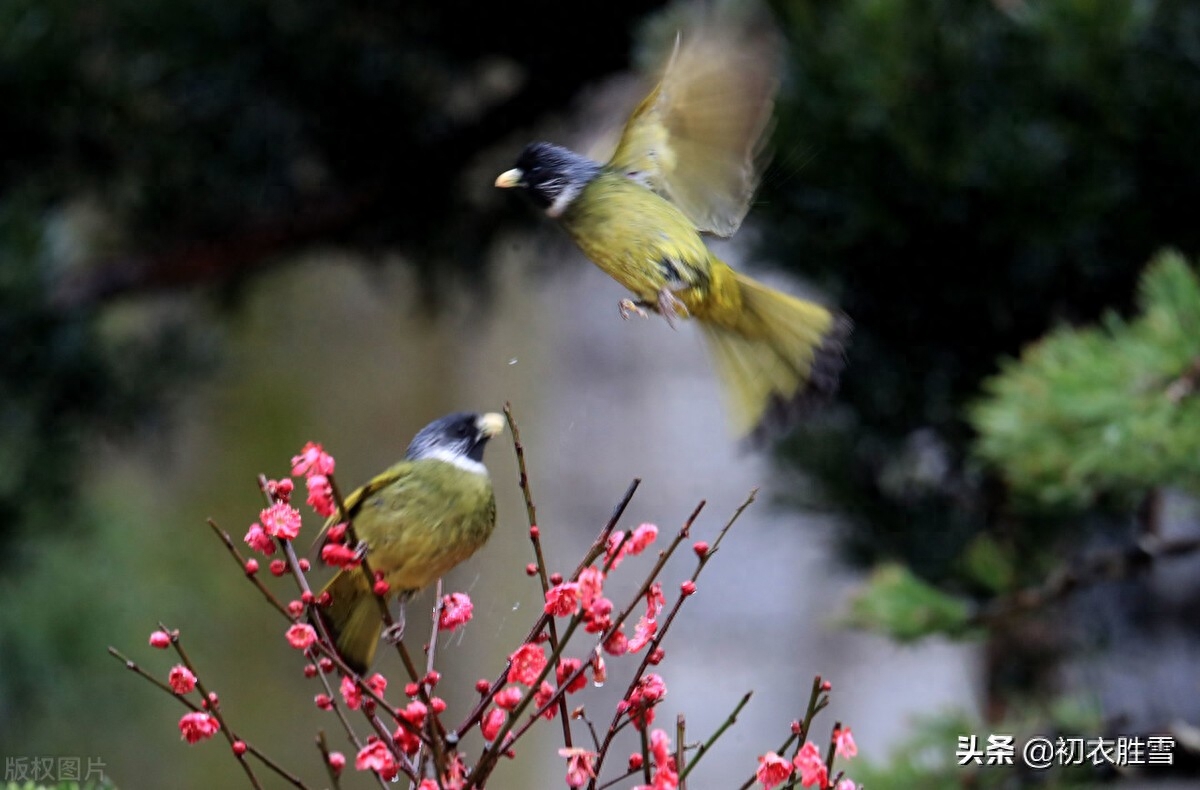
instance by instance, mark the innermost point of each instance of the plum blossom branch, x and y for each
(524, 693)
(249, 567)
(536, 540)
(214, 709)
(333, 765)
(680, 750)
(134, 667)
(597, 548)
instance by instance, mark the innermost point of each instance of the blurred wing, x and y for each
(698, 138)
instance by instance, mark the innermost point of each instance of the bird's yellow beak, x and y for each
(510, 178)
(490, 424)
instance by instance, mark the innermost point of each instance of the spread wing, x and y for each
(698, 138)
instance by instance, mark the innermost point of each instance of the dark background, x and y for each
(228, 228)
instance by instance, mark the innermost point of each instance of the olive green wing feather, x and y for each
(428, 518)
(356, 498)
(698, 138)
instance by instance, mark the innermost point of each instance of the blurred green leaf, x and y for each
(989, 564)
(896, 603)
(1112, 409)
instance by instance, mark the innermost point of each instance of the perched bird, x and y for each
(418, 520)
(688, 163)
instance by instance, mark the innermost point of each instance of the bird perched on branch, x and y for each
(687, 164)
(417, 520)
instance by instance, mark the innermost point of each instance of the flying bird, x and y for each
(687, 165)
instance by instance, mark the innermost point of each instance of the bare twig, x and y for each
(536, 540)
(323, 746)
(1118, 563)
(702, 750)
(817, 699)
(253, 577)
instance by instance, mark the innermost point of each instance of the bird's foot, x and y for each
(670, 307)
(394, 632)
(628, 307)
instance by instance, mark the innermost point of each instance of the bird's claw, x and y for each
(670, 307)
(628, 307)
(394, 632)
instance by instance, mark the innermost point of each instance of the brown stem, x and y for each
(214, 710)
(837, 725)
(683, 534)
(535, 539)
(680, 753)
(323, 746)
(251, 748)
(816, 701)
(252, 577)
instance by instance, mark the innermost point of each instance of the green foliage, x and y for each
(1112, 409)
(193, 118)
(63, 380)
(210, 137)
(989, 565)
(962, 177)
(895, 602)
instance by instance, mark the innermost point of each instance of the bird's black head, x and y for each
(552, 175)
(457, 438)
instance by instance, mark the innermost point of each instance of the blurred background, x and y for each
(230, 228)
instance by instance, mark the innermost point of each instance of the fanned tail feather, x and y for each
(776, 355)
